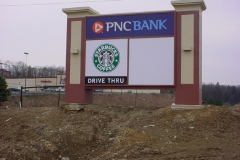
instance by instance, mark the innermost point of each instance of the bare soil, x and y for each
(115, 126)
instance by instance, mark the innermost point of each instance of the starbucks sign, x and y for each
(106, 58)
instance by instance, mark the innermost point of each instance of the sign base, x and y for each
(186, 107)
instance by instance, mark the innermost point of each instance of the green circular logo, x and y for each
(106, 58)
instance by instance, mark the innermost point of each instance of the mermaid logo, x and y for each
(106, 58)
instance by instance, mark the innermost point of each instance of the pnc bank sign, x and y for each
(159, 24)
(98, 27)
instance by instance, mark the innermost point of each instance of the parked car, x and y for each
(18, 90)
(25, 90)
(60, 89)
(14, 89)
(50, 90)
(43, 87)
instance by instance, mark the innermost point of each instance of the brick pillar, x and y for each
(75, 91)
(188, 52)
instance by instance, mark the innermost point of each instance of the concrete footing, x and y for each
(75, 107)
(186, 107)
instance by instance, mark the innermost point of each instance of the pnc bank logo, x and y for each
(97, 27)
(128, 26)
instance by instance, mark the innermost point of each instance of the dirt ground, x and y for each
(119, 127)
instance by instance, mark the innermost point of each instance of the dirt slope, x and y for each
(125, 127)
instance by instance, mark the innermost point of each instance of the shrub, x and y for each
(4, 92)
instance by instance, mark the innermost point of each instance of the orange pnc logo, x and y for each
(97, 27)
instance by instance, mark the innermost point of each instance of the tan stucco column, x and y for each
(75, 55)
(188, 52)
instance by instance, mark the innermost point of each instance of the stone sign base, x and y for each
(186, 107)
(73, 107)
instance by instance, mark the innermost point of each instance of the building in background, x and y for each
(37, 81)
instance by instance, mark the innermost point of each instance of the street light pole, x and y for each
(26, 70)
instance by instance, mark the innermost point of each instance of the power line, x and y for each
(42, 4)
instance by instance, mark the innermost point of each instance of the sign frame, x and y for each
(137, 86)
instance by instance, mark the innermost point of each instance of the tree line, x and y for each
(219, 95)
(21, 70)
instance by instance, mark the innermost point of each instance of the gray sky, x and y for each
(40, 30)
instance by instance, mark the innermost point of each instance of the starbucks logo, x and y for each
(106, 58)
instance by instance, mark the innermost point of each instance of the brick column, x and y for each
(75, 91)
(188, 52)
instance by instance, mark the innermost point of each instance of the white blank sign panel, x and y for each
(151, 61)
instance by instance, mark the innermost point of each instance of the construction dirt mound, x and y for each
(117, 126)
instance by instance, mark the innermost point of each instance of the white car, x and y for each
(24, 90)
(60, 89)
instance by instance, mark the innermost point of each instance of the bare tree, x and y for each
(20, 70)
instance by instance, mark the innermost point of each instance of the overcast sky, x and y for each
(39, 28)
